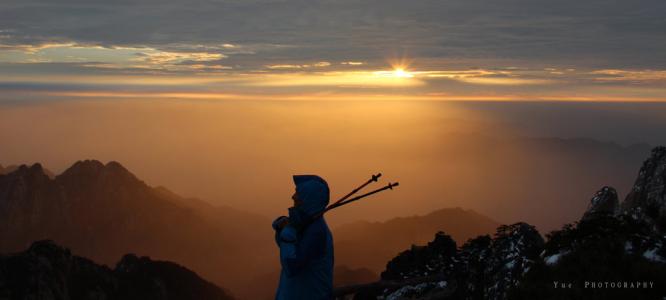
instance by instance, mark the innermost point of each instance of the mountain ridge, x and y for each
(55, 273)
(371, 244)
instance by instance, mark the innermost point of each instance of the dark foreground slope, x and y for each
(49, 272)
(616, 251)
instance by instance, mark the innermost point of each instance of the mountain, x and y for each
(343, 275)
(615, 251)
(241, 225)
(48, 271)
(12, 168)
(371, 244)
(102, 211)
(503, 177)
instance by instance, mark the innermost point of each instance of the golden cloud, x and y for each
(320, 64)
(634, 76)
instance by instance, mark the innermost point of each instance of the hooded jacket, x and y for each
(306, 251)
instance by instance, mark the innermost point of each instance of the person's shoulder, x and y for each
(319, 226)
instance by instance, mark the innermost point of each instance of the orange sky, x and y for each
(445, 154)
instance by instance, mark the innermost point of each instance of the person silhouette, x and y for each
(305, 243)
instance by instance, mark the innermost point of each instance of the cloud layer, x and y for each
(456, 44)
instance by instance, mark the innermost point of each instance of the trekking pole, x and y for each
(338, 204)
(374, 178)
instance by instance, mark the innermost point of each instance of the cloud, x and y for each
(163, 57)
(119, 58)
(320, 64)
(597, 33)
(632, 76)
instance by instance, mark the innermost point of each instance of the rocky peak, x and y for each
(45, 247)
(83, 168)
(50, 251)
(116, 167)
(34, 171)
(647, 199)
(604, 203)
(88, 172)
(514, 250)
(37, 167)
(29, 200)
(437, 257)
(21, 183)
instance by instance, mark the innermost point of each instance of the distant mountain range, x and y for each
(102, 211)
(372, 244)
(536, 180)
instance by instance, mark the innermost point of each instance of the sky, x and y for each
(535, 162)
(595, 50)
(226, 99)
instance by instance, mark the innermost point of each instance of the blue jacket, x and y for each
(306, 254)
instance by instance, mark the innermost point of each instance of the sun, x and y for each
(402, 73)
(398, 74)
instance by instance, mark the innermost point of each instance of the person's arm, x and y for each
(279, 223)
(296, 254)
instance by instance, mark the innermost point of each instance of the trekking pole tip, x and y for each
(375, 177)
(391, 185)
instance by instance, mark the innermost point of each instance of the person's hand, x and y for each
(280, 222)
(288, 234)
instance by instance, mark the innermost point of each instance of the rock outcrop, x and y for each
(436, 257)
(604, 203)
(647, 199)
(513, 251)
(483, 267)
(50, 272)
(32, 207)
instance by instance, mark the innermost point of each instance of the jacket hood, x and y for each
(313, 191)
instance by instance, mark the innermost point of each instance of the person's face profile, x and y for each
(297, 201)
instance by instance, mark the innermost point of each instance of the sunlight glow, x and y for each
(340, 79)
(401, 73)
(398, 72)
